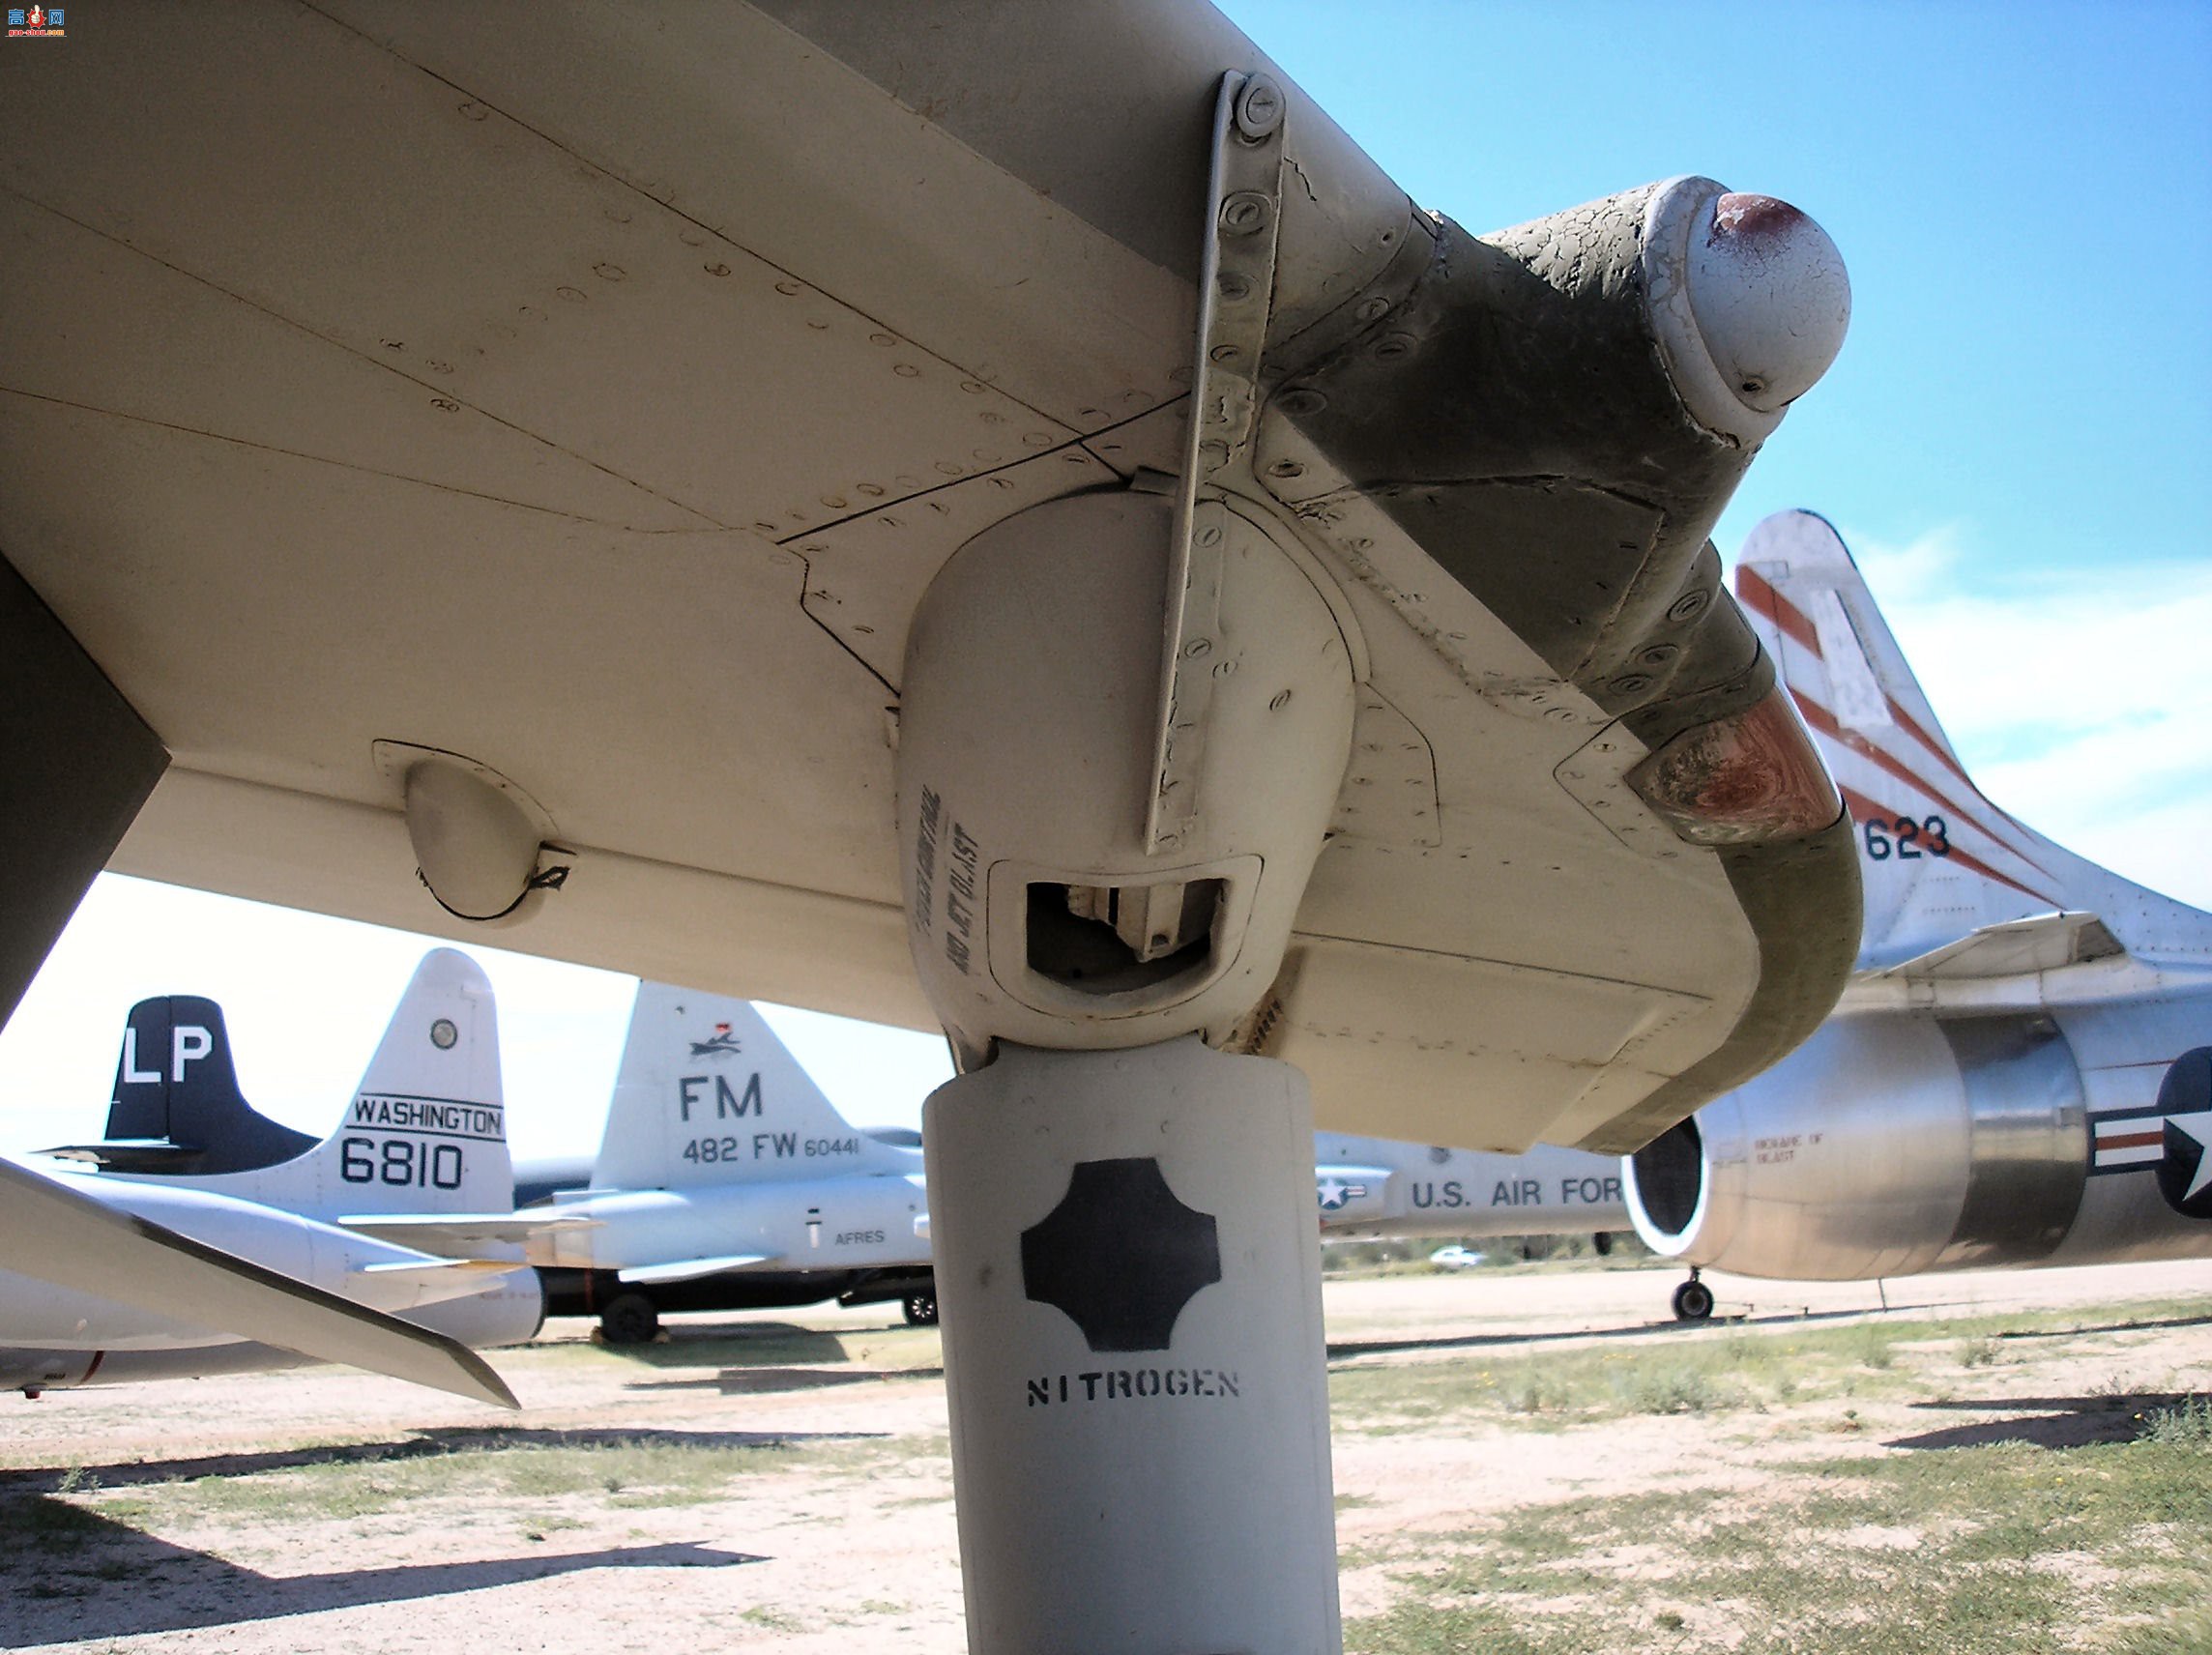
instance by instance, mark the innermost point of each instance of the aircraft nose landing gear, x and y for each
(1693, 1299)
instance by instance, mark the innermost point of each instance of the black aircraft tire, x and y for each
(630, 1319)
(920, 1310)
(1693, 1302)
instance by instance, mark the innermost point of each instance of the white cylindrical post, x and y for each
(1129, 1280)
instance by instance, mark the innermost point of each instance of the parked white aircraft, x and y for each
(2020, 1070)
(1381, 1189)
(725, 1180)
(424, 1132)
(1297, 612)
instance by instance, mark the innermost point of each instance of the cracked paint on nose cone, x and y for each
(1768, 290)
(1749, 299)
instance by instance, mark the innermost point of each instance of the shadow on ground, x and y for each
(739, 1345)
(2107, 1328)
(2046, 1422)
(1754, 1317)
(458, 1439)
(1346, 1348)
(757, 1381)
(92, 1578)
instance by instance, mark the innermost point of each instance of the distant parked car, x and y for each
(1455, 1258)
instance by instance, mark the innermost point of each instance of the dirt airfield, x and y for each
(779, 1482)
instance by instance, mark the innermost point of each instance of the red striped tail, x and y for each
(1939, 857)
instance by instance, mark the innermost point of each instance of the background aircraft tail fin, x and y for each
(425, 1131)
(1938, 858)
(707, 1094)
(176, 1106)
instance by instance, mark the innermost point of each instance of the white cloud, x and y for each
(1906, 573)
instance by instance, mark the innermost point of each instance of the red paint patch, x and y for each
(1754, 217)
(2132, 1140)
(1760, 599)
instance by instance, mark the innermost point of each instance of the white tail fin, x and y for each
(1938, 858)
(425, 1131)
(707, 1094)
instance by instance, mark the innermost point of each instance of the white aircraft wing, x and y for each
(462, 1234)
(590, 394)
(691, 1269)
(73, 1241)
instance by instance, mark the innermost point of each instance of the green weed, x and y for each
(1888, 1554)
(2187, 1424)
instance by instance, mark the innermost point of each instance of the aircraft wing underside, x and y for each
(58, 1234)
(593, 395)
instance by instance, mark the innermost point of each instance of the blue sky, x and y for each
(2015, 443)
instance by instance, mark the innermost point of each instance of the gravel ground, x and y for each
(210, 1515)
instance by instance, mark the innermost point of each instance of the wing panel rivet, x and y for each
(1246, 212)
(1301, 400)
(1259, 108)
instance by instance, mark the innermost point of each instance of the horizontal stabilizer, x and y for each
(132, 1155)
(460, 1235)
(691, 1269)
(53, 1233)
(176, 1089)
(2013, 947)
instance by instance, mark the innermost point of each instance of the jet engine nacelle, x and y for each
(508, 1311)
(1886, 1144)
(1026, 763)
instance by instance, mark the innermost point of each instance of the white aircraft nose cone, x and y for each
(1770, 296)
